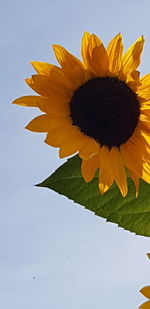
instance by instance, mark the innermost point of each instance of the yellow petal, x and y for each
(145, 115)
(145, 124)
(119, 170)
(43, 68)
(31, 84)
(63, 135)
(144, 104)
(146, 172)
(135, 74)
(139, 142)
(144, 89)
(145, 82)
(135, 179)
(84, 47)
(133, 80)
(55, 75)
(69, 148)
(146, 291)
(89, 148)
(144, 94)
(131, 159)
(148, 255)
(135, 154)
(106, 176)
(46, 87)
(72, 142)
(98, 58)
(40, 84)
(100, 63)
(114, 50)
(55, 106)
(145, 305)
(94, 41)
(53, 139)
(89, 167)
(72, 67)
(30, 101)
(44, 123)
(57, 132)
(131, 58)
(39, 124)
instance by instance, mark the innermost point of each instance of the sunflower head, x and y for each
(98, 107)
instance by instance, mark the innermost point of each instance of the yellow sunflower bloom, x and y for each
(98, 108)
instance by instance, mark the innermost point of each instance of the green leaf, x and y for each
(131, 213)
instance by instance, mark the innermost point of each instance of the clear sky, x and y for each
(54, 254)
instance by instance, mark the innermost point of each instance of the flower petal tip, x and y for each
(15, 101)
(148, 255)
(55, 47)
(146, 291)
(142, 38)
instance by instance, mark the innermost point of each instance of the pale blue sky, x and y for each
(78, 260)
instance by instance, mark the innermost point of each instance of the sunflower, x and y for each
(98, 107)
(145, 305)
(146, 292)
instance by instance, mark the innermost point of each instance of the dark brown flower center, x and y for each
(105, 109)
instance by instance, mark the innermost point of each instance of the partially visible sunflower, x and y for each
(98, 107)
(145, 305)
(146, 292)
